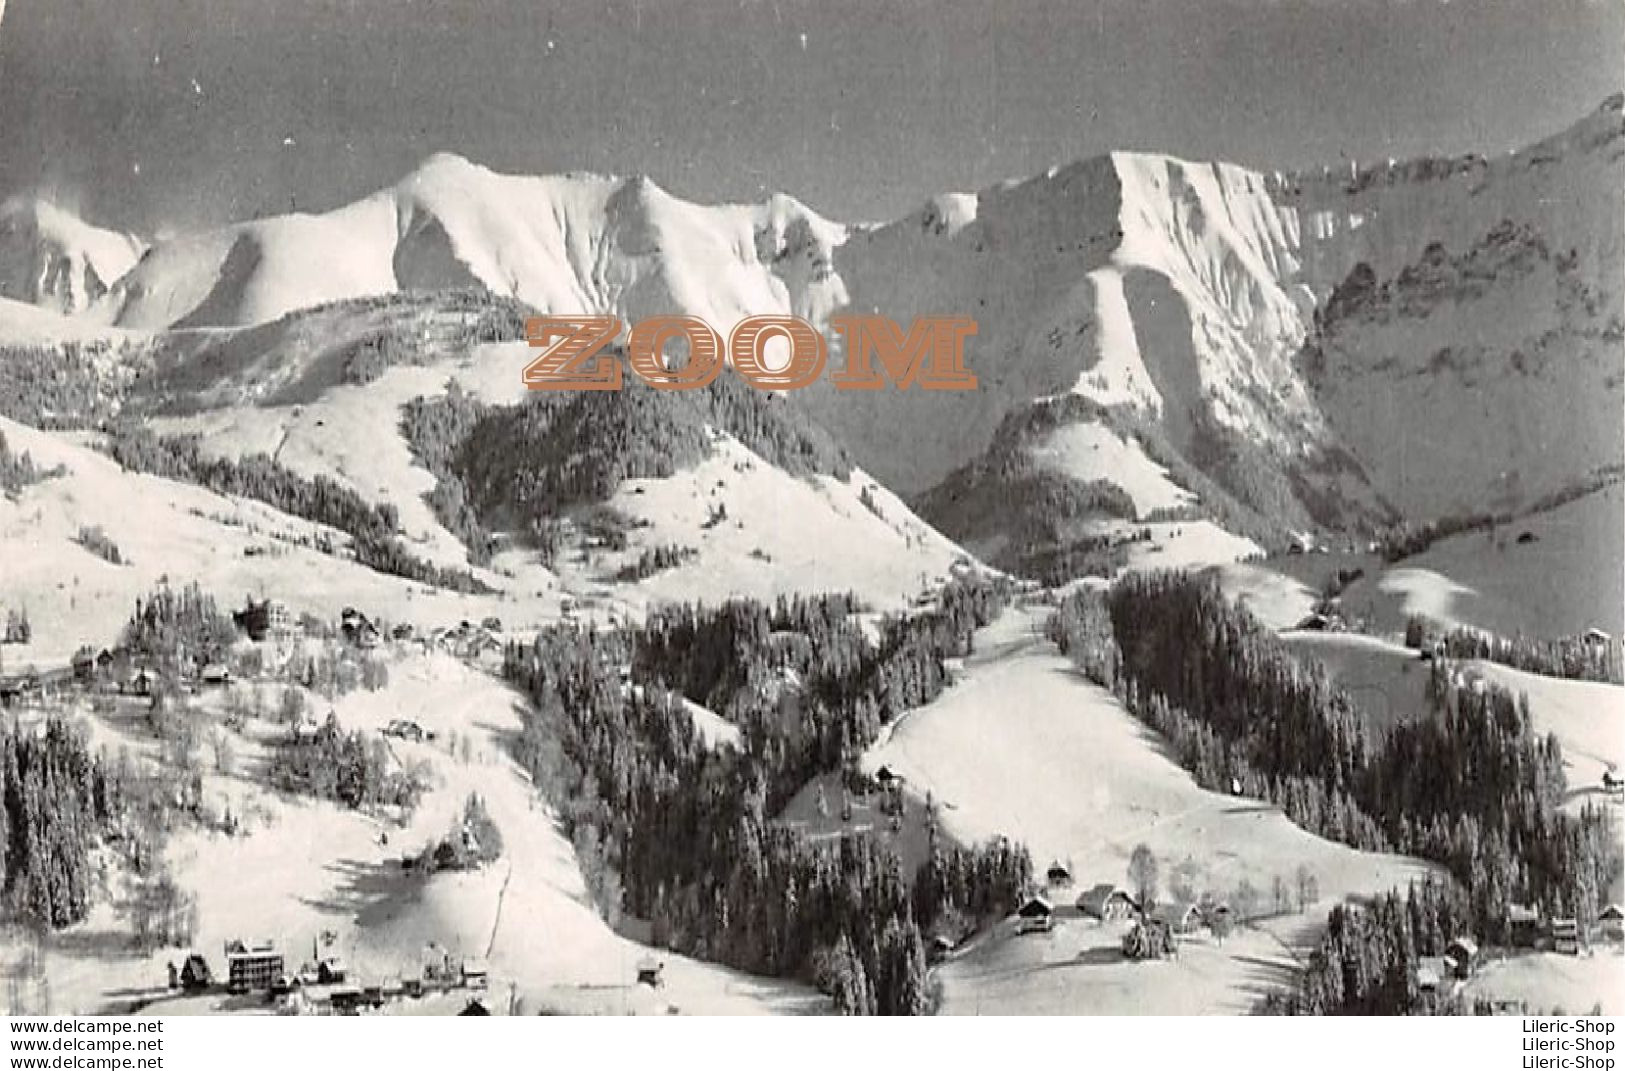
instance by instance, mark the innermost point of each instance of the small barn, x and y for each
(1461, 954)
(475, 974)
(84, 665)
(1524, 923)
(888, 778)
(358, 629)
(1566, 936)
(345, 1001)
(139, 684)
(1106, 902)
(1059, 874)
(1036, 915)
(649, 972)
(1180, 916)
(195, 973)
(1612, 921)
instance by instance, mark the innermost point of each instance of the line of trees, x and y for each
(1365, 963)
(1468, 784)
(1572, 657)
(69, 385)
(176, 630)
(18, 470)
(57, 800)
(672, 830)
(372, 528)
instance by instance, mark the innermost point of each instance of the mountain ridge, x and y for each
(1291, 335)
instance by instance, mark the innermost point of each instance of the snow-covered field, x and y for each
(1276, 599)
(1090, 451)
(1568, 577)
(761, 532)
(1548, 982)
(231, 547)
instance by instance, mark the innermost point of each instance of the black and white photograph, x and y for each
(812, 508)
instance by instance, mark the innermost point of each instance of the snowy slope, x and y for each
(51, 257)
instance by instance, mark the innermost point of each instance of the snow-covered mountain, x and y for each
(51, 257)
(562, 243)
(1453, 325)
(1420, 338)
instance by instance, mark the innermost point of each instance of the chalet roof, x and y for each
(1522, 913)
(1035, 907)
(1101, 895)
(1175, 912)
(240, 947)
(1611, 913)
(1466, 944)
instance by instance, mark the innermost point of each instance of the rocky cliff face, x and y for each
(50, 257)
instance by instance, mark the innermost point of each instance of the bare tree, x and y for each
(1307, 885)
(1246, 900)
(225, 754)
(1142, 876)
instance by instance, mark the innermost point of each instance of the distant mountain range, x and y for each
(1157, 337)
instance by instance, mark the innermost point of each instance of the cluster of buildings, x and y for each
(1107, 902)
(324, 983)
